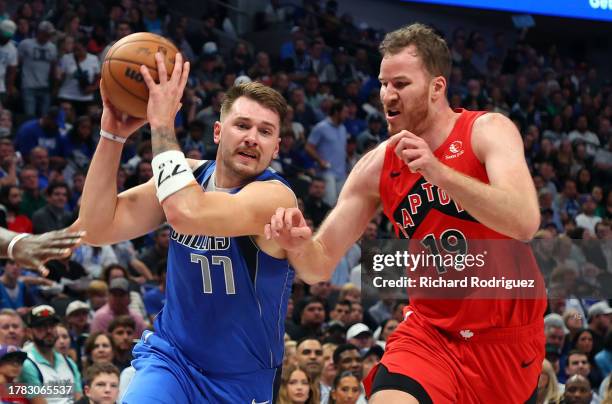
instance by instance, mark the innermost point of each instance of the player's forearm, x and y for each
(506, 211)
(99, 199)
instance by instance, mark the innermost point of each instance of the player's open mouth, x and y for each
(391, 113)
(248, 155)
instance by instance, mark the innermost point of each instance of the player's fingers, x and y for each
(177, 69)
(294, 217)
(274, 226)
(146, 75)
(280, 217)
(162, 73)
(416, 165)
(43, 270)
(301, 232)
(397, 137)
(408, 155)
(184, 76)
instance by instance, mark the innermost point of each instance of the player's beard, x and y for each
(414, 115)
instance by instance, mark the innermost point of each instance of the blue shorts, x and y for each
(163, 375)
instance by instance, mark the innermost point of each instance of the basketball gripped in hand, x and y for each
(121, 78)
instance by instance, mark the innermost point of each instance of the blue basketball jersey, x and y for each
(226, 300)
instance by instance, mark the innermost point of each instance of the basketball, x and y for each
(121, 78)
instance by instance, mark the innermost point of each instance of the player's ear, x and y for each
(217, 132)
(438, 88)
(276, 147)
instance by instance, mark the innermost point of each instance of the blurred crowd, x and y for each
(81, 321)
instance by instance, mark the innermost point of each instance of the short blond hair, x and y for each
(431, 47)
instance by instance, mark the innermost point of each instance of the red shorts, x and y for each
(470, 367)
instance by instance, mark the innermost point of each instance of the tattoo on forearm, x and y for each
(163, 139)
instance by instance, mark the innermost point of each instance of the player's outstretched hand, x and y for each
(33, 251)
(165, 97)
(115, 121)
(288, 228)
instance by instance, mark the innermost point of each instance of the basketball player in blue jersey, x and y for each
(219, 337)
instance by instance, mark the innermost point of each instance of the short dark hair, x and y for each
(307, 338)
(57, 184)
(261, 94)
(122, 321)
(575, 352)
(105, 275)
(343, 302)
(97, 369)
(336, 107)
(341, 349)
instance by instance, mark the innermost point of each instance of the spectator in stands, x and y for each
(45, 364)
(577, 391)
(39, 158)
(11, 364)
(79, 75)
(374, 133)
(8, 158)
(122, 330)
(297, 387)
(38, 58)
(8, 64)
(308, 316)
(53, 216)
(62, 344)
(39, 132)
(327, 146)
(98, 348)
(118, 302)
(155, 298)
(78, 145)
(599, 323)
(329, 371)
(360, 336)
(583, 134)
(315, 207)
(548, 386)
(587, 218)
(348, 358)
(309, 354)
(346, 389)
(159, 251)
(97, 294)
(386, 328)
(11, 198)
(101, 384)
(14, 293)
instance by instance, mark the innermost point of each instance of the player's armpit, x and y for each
(193, 211)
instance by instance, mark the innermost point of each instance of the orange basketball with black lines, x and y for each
(123, 83)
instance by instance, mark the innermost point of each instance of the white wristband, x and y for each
(9, 250)
(110, 136)
(171, 173)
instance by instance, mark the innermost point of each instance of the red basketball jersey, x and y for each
(420, 211)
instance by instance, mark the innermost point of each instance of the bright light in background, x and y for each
(585, 9)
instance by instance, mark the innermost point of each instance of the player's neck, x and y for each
(224, 178)
(438, 127)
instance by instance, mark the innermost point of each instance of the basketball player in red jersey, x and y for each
(460, 351)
